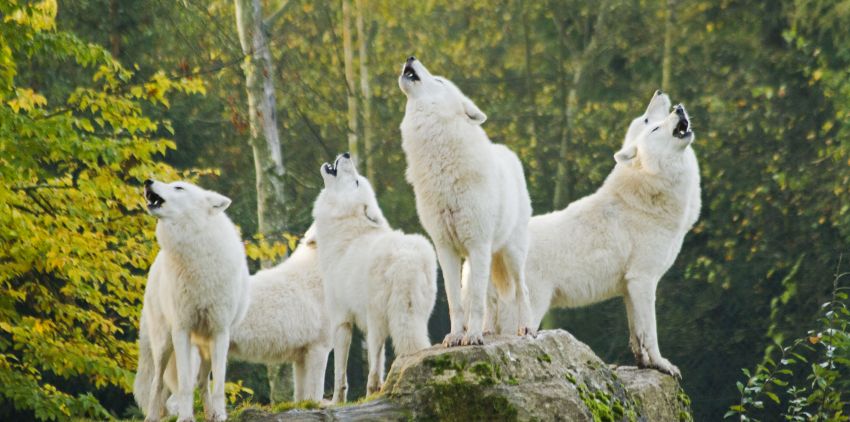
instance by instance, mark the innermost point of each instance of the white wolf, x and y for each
(620, 240)
(197, 290)
(471, 198)
(285, 322)
(380, 279)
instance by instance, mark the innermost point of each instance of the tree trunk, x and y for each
(348, 58)
(563, 179)
(530, 94)
(569, 91)
(668, 46)
(264, 139)
(115, 30)
(366, 95)
(569, 96)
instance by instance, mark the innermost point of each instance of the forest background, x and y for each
(249, 97)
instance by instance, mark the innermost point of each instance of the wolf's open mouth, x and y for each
(154, 200)
(330, 169)
(683, 128)
(409, 73)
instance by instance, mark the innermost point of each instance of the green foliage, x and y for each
(76, 242)
(767, 84)
(809, 378)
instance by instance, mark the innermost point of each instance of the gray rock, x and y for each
(551, 377)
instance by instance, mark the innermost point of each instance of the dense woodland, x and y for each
(97, 95)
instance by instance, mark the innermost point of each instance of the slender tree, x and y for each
(577, 56)
(265, 143)
(264, 138)
(365, 91)
(348, 58)
(668, 44)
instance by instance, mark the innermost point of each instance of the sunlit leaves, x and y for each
(75, 240)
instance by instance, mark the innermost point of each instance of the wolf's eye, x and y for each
(646, 120)
(656, 128)
(178, 188)
(357, 183)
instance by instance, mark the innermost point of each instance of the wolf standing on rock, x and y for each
(197, 290)
(620, 240)
(380, 279)
(471, 198)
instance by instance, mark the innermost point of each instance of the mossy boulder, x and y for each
(551, 377)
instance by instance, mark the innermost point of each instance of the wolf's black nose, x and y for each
(148, 182)
(346, 155)
(680, 110)
(411, 59)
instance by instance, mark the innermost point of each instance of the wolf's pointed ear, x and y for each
(628, 153)
(373, 215)
(475, 115)
(217, 201)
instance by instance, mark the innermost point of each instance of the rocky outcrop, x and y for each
(551, 377)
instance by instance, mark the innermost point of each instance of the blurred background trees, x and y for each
(767, 85)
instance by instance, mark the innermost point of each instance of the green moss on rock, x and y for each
(605, 407)
(459, 400)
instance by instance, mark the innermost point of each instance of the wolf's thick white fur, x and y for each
(197, 290)
(471, 198)
(285, 322)
(382, 280)
(620, 240)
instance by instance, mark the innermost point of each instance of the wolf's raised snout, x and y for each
(683, 127)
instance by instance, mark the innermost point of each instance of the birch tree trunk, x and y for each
(668, 45)
(265, 144)
(365, 94)
(348, 58)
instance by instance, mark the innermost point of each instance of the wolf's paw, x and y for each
(216, 416)
(664, 366)
(186, 419)
(473, 339)
(453, 339)
(372, 389)
(527, 331)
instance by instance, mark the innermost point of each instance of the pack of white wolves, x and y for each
(503, 269)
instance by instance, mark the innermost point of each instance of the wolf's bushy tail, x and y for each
(144, 371)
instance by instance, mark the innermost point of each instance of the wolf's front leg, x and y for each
(450, 265)
(185, 381)
(643, 339)
(218, 358)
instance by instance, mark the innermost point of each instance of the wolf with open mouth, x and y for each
(471, 198)
(197, 290)
(620, 240)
